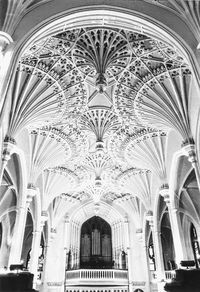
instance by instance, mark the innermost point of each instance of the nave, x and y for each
(99, 139)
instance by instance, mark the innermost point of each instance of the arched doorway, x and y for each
(96, 244)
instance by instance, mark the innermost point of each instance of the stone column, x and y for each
(179, 243)
(6, 242)
(72, 246)
(77, 243)
(160, 271)
(47, 257)
(36, 246)
(113, 244)
(141, 239)
(66, 239)
(19, 228)
(128, 251)
(145, 252)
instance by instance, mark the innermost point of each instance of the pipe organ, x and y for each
(96, 244)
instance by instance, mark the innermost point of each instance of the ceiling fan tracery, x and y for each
(107, 85)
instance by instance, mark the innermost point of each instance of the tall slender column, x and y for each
(78, 246)
(72, 245)
(19, 228)
(36, 246)
(77, 240)
(128, 251)
(145, 253)
(118, 237)
(126, 233)
(75, 244)
(113, 243)
(179, 244)
(17, 239)
(67, 239)
(122, 235)
(47, 257)
(160, 271)
(117, 256)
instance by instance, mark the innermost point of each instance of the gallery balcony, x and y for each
(96, 277)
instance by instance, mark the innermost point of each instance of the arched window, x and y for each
(195, 245)
(96, 246)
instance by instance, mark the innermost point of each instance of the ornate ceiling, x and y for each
(98, 104)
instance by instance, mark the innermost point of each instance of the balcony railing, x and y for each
(89, 276)
(168, 276)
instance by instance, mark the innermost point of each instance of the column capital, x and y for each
(53, 230)
(44, 217)
(164, 192)
(66, 218)
(8, 145)
(175, 209)
(31, 193)
(21, 208)
(36, 231)
(139, 233)
(5, 39)
(149, 217)
(126, 218)
(190, 151)
(52, 235)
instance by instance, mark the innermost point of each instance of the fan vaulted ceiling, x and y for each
(98, 104)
